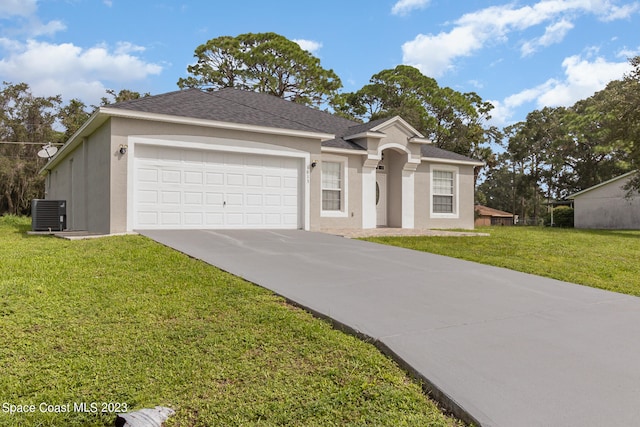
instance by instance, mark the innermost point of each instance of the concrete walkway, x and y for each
(498, 347)
(398, 232)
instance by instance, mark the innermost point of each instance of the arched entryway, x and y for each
(390, 194)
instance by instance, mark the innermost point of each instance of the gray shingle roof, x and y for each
(363, 127)
(428, 150)
(237, 106)
(257, 109)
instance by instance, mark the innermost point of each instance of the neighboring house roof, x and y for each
(263, 111)
(602, 184)
(487, 211)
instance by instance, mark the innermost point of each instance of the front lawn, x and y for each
(126, 321)
(598, 258)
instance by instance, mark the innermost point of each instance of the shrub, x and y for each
(562, 217)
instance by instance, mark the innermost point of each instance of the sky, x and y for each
(519, 55)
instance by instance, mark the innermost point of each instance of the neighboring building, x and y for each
(238, 159)
(489, 216)
(607, 206)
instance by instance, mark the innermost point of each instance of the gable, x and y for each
(607, 189)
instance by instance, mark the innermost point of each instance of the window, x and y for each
(443, 192)
(332, 186)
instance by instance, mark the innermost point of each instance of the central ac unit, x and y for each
(48, 215)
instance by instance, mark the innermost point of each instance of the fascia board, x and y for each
(398, 119)
(343, 151)
(452, 162)
(368, 134)
(418, 140)
(95, 121)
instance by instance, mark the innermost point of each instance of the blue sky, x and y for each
(520, 55)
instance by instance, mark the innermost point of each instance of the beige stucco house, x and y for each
(237, 159)
(606, 205)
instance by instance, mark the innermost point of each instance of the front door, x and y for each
(381, 200)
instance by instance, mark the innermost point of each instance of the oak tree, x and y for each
(262, 62)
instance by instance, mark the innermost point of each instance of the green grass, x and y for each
(126, 320)
(598, 258)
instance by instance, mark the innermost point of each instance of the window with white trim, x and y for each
(332, 187)
(444, 192)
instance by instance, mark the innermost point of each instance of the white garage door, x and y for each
(186, 188)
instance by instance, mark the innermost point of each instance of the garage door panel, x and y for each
(233, 200)
(214, 199)
(148, 196)
(193, 198)
(290, 201)
(191, 177)
(193, 218)
(234, 219)
(170, 198)
(214, 219)
(235, 179)
(215, 178)
(254, 180)
(170, 218)
(254, 200)
(147, 218)
(196, 188)
(254, 219)
(289, 219)
(272, 200)
(148, 175)
(273, 181)
(290, 182)
(171, 176)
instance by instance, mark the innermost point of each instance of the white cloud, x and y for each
(70, 70)
(500, 114)
(621, 12)
(10, 8)
(554, 33)
(403, 7)
(125, 48)
(308, 45)
(436, 54)
(37, 28)
(29, 23)
(628, 53)
(582, 78)
(476, 83)
(107, 3)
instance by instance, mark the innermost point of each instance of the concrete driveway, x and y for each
(499, 347)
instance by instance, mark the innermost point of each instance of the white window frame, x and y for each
(456, 191)
(344, 185)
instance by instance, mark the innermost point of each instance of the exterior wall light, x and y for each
(123, 149)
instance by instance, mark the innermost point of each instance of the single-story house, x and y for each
(239, 159)
(489, 216)
(606, 205)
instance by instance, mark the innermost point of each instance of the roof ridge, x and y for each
(146, 98)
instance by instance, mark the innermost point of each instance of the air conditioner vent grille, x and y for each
(48, 215)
